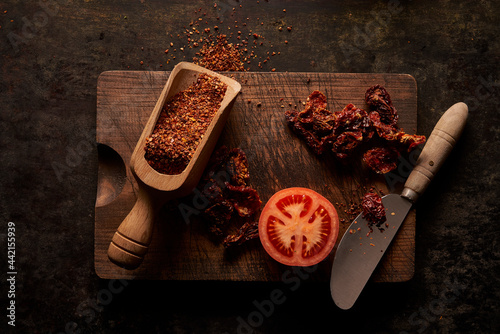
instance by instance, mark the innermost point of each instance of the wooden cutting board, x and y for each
(182, 249)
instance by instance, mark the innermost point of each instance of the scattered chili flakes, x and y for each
(202, 33)
(182, 123)
(220, 55)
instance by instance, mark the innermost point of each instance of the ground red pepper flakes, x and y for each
(182, 124)
(219, 55)
(203, 30)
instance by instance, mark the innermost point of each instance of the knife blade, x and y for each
(361, 249)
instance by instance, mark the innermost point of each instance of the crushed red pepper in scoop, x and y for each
(182, 123)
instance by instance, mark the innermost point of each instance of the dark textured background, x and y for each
(51, 55)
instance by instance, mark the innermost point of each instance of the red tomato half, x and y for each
(298, 227)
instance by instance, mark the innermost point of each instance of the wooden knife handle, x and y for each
(131, 241)
(439, 145)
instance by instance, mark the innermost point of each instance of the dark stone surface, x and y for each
(51, 55)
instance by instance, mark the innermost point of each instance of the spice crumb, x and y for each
(182, 123)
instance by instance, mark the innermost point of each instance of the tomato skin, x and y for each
(298, 227)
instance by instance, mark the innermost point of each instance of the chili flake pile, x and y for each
(219, 55)
(343, 131)
(211, 32)
(182, 124)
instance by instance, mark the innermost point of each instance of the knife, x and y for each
(359, 251)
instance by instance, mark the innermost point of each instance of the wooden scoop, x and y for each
(131, 241)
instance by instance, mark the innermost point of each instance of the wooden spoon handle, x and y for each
(439, 145)
(131, 241)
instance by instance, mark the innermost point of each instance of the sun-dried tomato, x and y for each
(225, 185)
(373, 209)
(380, 101)
(342, 132)
(237, 168)
(382, 159)
(394, 134)
(314, 104)
(301, 130)
(218, 214)
(249, 231)
(345, 143)
(411, 141)
(244, 199)
(384, 131)
(351, 118)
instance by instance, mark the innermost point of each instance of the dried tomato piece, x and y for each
(249, 231)
(225, 185)
(219, 214)
(352, 126)
(395, 135)
(315, 102)
(237, 167)
(384, 131)
(346, 142)
(373, 209)
(323, 123)
(382, 159)
(343, 131)
(216, 162)
(351, 118)
(315, 120)
(380, 101)
(411, 141)
(212, 191)
(298, 127)
(245, 200)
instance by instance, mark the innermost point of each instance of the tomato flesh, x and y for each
(298, 227)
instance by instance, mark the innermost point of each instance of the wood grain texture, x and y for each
(181, 248)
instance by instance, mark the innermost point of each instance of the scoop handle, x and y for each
(131, 241)
(439, 145)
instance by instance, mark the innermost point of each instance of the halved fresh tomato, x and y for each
(298, 227)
